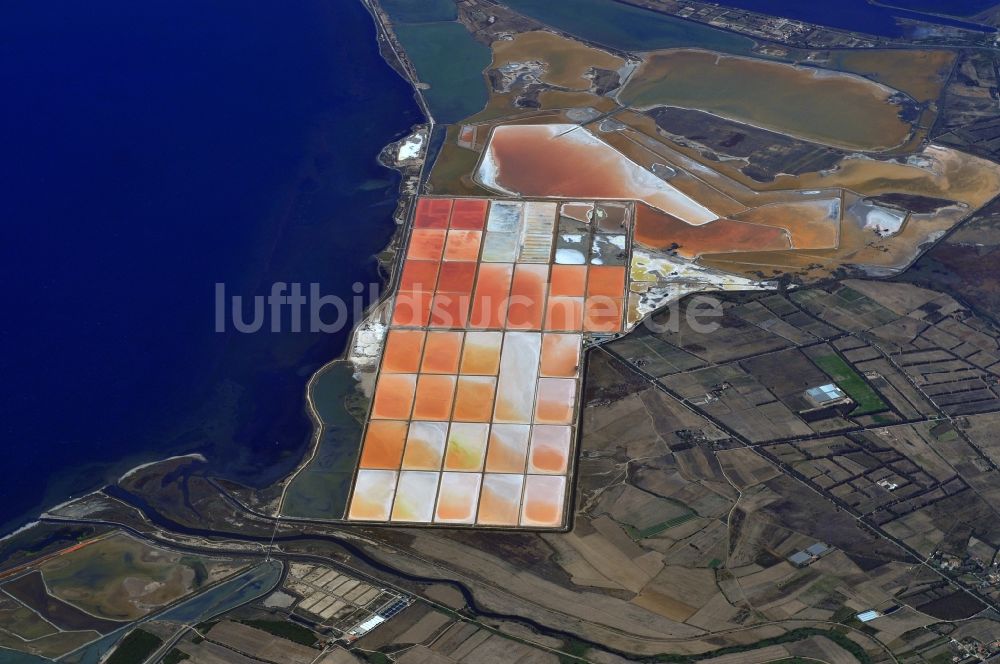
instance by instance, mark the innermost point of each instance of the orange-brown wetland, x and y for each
(566, 60)
(919, 73)
(838, 109)
(656, 230)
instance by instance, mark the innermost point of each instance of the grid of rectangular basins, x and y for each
(474, 412)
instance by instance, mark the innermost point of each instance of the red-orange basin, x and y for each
(402, 351)
(394, 396)
(526, 308)
(656, 230)
(450, 311)
(489, 305)
(542, 505)
(564, 160)
(564, 314)
(456, 278)
(469, 213)
(500, 500)
(443, 348)
(457, 498)
(372, 497)
(603, 314)
(426, 244)
(606, 280)
(412, 309)
(474, 398)
(555, 400)
(383, 447)
(432, 213)
(481, 354)
(550, 446)
(560, 355)
(463, 245)
(508, 448)
(434, 397)
(425, 444)
(568, 280)
(419, 275)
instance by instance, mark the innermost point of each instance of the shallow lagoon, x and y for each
(451, 62)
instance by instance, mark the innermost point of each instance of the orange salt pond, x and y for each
(560, 355)
(542, 505)
(426, 244)
(457, 498)
(418, 276)
(500, 500)
(432, 213)
(489, 305)
(456, 410)
(425, 444)
(568, 161)
(555, 400)
(606, 280)
(402, 351)
(568, 280)
(656, 230)
(412, 309)
(469, 213)
(450, 311)
(603, 314)
(463, 245)
(550, 449)
(456, 278)
(481, 354)
(394, 397)
(441, 352)
(526, 308)
(466, 448)
(383, 446)
(508, 447)
(372, 497)
(564, 314)
(474, 398)
(433, 397)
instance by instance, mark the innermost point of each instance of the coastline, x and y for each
(128, 465)
(389, 257)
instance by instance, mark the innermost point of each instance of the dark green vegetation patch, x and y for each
(853, 384)
(135, 648)
(284, 629)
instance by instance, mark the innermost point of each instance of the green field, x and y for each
(284, 629)
(853, 384)
(658, 528)
(135, 648)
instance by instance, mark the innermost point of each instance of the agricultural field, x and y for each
(705, 473)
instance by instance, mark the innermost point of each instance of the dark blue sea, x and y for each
(867, 16)
(150, 150)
